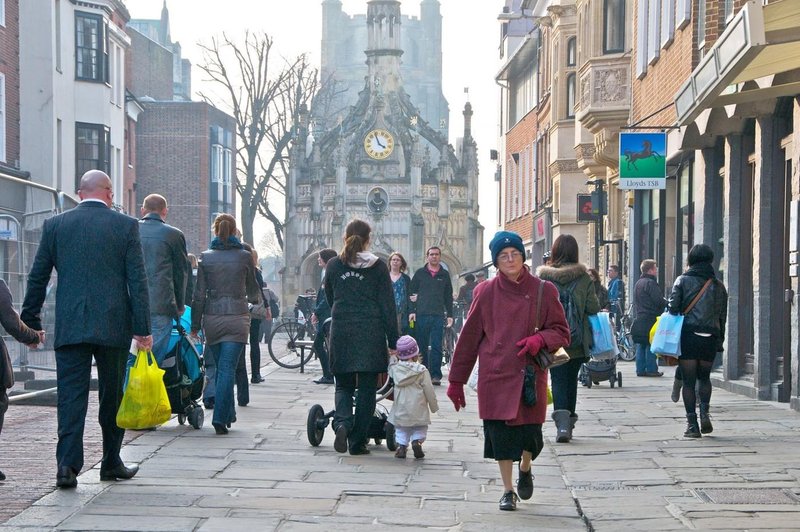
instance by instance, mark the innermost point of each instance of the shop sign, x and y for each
(585, 211)
(541, 224)
(642, 161)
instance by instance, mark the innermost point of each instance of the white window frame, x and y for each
(667, 22)
(684, 14)
(3, 156)
(2, 13)
(653, 31)
(641, 39)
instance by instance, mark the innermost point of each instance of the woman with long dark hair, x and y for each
(577, 294)
(400, 283)
(226, 282)
(702, 334)
(363, 331)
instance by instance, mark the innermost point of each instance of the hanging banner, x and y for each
(642, 161)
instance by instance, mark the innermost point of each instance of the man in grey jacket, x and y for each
(166, 262)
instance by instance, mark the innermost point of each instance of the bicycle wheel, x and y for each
(287, 348)
(627, 349)
(448, 345)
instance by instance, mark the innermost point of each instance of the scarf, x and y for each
(232, 242)
(704, 270)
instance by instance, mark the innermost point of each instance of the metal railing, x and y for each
(24, 206)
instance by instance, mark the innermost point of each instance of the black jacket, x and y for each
(434, 293)
(166, 263)
(710, 313)
(102, 296)
(648, 304)
(364, 316)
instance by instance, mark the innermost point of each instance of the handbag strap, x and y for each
(697, 297)
(538, 306)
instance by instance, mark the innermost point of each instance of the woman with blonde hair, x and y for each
(363, 331)
(226, 282)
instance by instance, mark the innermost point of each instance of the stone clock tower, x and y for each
(385, 164)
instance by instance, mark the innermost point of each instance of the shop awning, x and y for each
(760, 42)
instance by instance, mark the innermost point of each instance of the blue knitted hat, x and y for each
(505, 239)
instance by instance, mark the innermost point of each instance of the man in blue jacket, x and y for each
(431, 298)
(101, 303)
(322, 311)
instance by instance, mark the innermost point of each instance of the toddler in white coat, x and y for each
(414, 397)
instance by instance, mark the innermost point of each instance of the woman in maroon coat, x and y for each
(500, 334)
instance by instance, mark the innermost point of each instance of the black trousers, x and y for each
(74, 372)
(242, 382)
(363, 386)
(255, 347)
(321, 351)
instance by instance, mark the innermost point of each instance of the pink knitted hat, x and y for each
(406, 348)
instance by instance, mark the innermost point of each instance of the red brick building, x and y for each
(9, 83)
(184, 151)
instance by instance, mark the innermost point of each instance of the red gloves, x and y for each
(530, 345)
(456, 394)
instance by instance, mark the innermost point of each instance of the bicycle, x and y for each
(449, 339)
(287, 344)
(622, 333)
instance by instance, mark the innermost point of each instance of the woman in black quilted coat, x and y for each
(363, 330)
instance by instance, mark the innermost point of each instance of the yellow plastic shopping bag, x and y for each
(653, 329)
(145, 403)
(549, 396)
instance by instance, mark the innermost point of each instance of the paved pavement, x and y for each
(628, 468)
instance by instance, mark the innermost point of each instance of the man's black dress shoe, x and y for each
(256, 379)
(119, 472)
(66, 478)
(324, 380)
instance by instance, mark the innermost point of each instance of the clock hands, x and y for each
(378, 140)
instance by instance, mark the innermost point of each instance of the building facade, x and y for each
(378, 165)
(73, 106)
(344, 39)
(9, 84)
(184, 151)
(721, 78)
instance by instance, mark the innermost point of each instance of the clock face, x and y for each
(379, 144)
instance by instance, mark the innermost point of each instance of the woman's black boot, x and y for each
(705, 420)
(692, 428)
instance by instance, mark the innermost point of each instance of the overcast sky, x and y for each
(470, 47)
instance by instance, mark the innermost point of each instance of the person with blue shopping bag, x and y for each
(703, 301)
(648, 303)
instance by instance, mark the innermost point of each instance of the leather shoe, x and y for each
(65, 478)
(362, 449)
(436, 382)
(654, 374)
(2, 476)
(256, 379)
(324, 380)
(119, 473)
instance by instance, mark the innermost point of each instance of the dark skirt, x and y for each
(695, 347)
(506, 442)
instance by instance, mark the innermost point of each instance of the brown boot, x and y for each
(401, 451)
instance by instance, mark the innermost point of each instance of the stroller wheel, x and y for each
(378, 441)
(196, 417)
(391, 443)
(612, 380)
(315, 426)
(588, 383)
(181, 419)
(619, 379)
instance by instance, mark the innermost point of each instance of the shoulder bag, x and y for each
(544, 358)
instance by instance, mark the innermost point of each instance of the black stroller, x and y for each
(379, 428)
(597, 370)
(184, 374)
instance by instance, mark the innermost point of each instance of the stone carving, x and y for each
(610, 85)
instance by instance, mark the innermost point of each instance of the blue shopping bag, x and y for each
(667, 339)
(603, 344)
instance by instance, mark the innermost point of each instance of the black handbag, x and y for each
(529, 386)
(544, 358)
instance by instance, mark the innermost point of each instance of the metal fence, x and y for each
(24, 206)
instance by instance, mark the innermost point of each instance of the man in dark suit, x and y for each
(167, 266)
(101, 302)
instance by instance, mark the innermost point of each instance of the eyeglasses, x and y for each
(512, 256)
